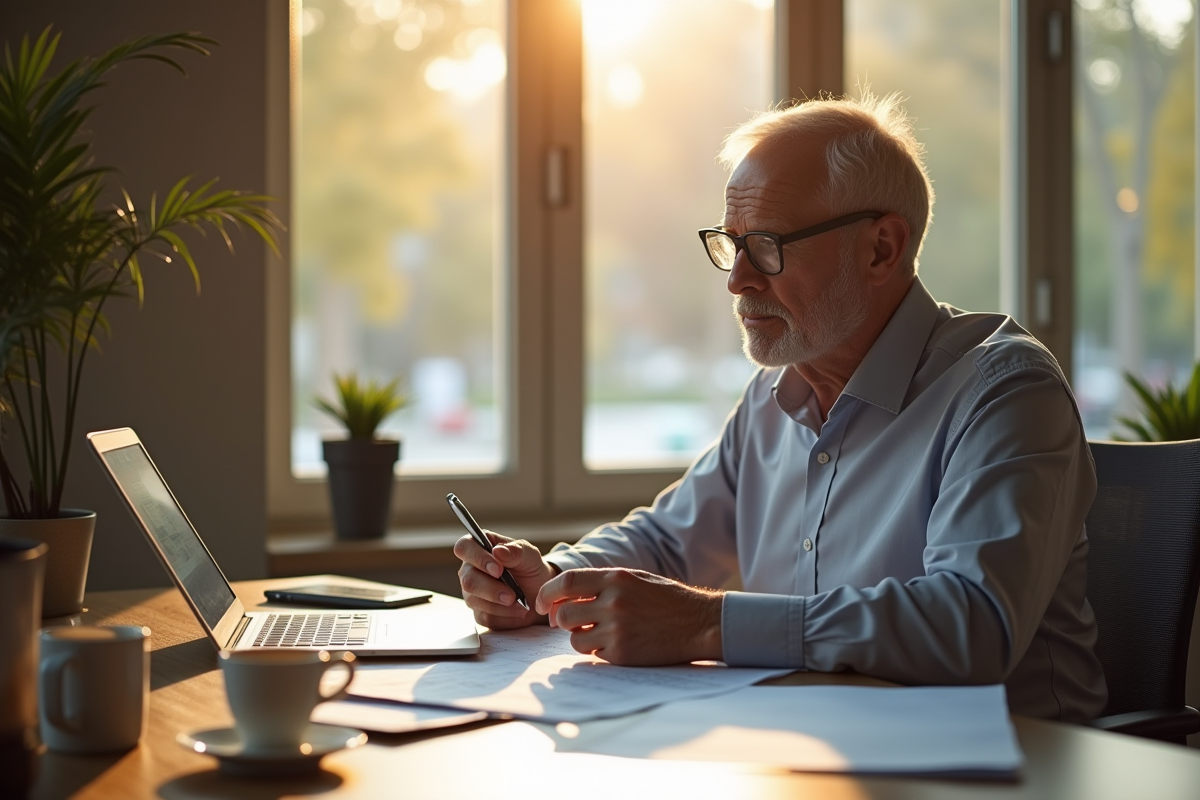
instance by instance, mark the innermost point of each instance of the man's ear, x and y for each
(888, 236)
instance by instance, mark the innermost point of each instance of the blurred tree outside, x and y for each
(944, 57)
(398, 155)
(664, 82)
(1135, 133)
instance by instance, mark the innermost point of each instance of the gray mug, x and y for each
(22, 563)
(94, 687)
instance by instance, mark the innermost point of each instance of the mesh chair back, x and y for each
(1144, 568)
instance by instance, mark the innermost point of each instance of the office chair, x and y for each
(1143, 575)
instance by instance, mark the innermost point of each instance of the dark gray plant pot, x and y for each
(361, 474)
(69, 537)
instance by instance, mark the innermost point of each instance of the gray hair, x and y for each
(873, 161)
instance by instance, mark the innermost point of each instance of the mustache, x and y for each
(752, 306)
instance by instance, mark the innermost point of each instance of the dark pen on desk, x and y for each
(482, 540)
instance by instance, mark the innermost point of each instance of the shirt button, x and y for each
(822, 458)
(808, 544)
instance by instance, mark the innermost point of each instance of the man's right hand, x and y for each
(488, 596)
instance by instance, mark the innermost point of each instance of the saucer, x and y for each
(236, 759)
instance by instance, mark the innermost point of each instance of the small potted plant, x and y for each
(70, 241)
(361, 467)
(1168, 414)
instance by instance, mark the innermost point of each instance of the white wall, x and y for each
(187, 372)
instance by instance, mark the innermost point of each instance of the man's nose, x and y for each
(744, 277)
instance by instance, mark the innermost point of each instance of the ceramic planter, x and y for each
(361, 474)
(69, 538)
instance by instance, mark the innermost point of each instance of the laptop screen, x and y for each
(176, 538)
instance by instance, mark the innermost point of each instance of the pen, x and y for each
(482, 540)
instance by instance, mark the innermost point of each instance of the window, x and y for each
(497, 201)
(663, 83)
(946, 58)
(461, 172)
(1135, 201)
(397, 231)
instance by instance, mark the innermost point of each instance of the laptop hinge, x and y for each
(237, 633)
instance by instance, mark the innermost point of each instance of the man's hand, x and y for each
(492, 601)
(633, 617)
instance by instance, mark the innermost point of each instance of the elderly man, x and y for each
(901, 488)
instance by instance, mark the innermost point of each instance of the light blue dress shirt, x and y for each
(931, 531)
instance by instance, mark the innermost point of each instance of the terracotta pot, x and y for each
(69, 538)
(361, 475)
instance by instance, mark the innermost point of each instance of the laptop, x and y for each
(440, 628)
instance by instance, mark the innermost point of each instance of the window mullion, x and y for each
(810, 41)
(1038, 261)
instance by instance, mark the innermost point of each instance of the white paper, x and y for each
(534, 673)
(386, 717)
(927, 730)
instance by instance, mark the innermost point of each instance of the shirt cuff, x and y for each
(762, 630)
(565, 558)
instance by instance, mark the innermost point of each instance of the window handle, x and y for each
(556, 177)
(1042, 303)
(1054, 36)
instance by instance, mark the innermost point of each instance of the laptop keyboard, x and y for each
(336, 629)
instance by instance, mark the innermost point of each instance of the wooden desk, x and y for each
(490, 761)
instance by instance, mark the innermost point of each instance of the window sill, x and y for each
(319, 552)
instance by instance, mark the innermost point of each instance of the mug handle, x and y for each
(340, 692)
(52, 670)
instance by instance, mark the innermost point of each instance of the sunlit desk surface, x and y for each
(488, 761)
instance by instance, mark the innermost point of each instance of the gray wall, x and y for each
(187, 372)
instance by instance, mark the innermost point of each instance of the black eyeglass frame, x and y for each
(739, 242)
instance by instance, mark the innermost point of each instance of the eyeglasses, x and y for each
(766, 249)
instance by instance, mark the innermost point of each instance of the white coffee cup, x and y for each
(93, 687)
(272, 693)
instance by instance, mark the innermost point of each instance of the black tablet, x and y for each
(348, 595)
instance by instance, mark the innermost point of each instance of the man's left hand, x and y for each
(634, 618)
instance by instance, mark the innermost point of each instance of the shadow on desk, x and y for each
(60, 775)
(180, 662)
(212, 784)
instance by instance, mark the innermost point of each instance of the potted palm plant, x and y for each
(69, 242)
(361, 466)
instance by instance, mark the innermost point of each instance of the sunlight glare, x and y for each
(310, 20)
(625, 86)
(1165, 19)
(468, 79)
(387, 9)
(736, 743)
(567, 730)
(1127, 200)
(408, 36)
(616, 23)
(1105, 73)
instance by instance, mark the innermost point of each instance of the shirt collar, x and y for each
(883, 376)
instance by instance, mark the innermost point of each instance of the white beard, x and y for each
(831, 320)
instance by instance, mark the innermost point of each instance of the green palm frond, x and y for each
(1170, 414)
(361, 407)
(65, 250)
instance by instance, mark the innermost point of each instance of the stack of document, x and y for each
(961, 731)
(534, 673)
(706, 712)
